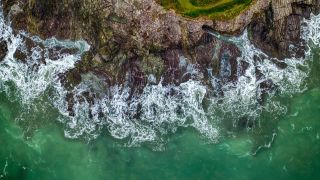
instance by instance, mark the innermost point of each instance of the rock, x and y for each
(57, 52)
(3, 50)
(172, 71)
(19, 55)
(131, 39)
(239, 23)
(276, 30)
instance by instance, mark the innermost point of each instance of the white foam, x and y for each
(160, 113)
(241, 98)
(31, 78)
(311, 31)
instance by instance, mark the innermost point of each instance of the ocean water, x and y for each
(294, 154)
(190, 135)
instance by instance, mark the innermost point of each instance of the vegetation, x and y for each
(213, 9)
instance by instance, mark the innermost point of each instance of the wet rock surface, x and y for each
(136, 42)
(277, 30)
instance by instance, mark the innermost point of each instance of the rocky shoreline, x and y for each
(138, 42)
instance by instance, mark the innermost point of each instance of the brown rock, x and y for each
(130, 38)
(277, 30)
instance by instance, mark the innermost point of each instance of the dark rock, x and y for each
(3, 50)
(19, 55)
(56, 52)
(277, 31)
(265, 87)
(228, 62)
(172, 71)
(135, 78)
(302, 10)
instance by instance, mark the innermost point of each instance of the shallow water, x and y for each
(40, 140)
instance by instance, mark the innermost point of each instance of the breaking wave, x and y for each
(160, 110)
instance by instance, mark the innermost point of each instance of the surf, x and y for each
(160, 110)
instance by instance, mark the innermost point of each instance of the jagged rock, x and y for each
(131, 39)
(277, 30)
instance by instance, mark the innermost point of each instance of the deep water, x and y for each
(39, 139)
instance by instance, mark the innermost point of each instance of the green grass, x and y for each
(212, 9)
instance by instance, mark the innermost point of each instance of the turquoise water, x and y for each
(40, 140)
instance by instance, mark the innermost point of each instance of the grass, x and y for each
(212, 9)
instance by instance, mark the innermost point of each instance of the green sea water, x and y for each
(294, 154)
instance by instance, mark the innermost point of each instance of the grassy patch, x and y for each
(213, 9)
